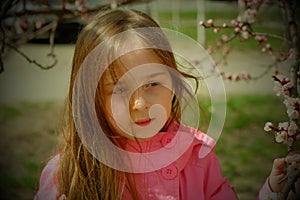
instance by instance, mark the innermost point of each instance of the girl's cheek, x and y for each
(119, 111)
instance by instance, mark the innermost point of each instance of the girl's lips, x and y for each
(144, 122)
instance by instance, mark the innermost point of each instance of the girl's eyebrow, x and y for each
(111, 84)
(156, 74)
(148, 76)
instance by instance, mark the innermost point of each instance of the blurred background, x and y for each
(32, 97)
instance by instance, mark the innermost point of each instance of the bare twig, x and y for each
(6, 5)
(64, 3)
(32, 35)
(51, 39)
(265, 72)
(52, 35)
(270, 36)
(57, 12)
(34, 61)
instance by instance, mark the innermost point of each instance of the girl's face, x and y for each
(138, 94)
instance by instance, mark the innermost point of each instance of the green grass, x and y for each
(31, 165)
(225, 14)
(9, 112)
(27, 132)
(245, 150)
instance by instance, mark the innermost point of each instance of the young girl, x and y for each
(127, 134)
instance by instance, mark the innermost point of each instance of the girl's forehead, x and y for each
(139, 57)
(146, 60)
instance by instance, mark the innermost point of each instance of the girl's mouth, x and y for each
(144, 122)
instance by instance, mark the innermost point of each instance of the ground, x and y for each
(28, 137)
(30, 134)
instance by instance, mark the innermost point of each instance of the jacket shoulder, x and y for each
(203, 143)
(48, 186)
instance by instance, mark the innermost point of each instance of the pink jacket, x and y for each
(192, 176)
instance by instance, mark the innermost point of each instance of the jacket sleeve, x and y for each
(266, 193)
(48, 186)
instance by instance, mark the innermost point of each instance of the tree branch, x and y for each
(295, 42)
(32, 35)
(33, 61)
(293, 36)
(58, 12)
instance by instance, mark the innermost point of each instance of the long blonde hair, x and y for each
(81, 175)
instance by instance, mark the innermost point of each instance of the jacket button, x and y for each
(166, 139)
(169, 172)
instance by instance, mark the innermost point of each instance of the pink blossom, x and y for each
(292, 129)
(283, 125)
(246, 76)
(225, 37)
(228, 76)
(236, 29)
(290, 141)
(234, 22)
(260, 38)
(285, 80)
(210, 49)
(277, 88)
(244, 28)
(242, 3)
(286, 102)
(201, 23)
(217, 30)
(287, 86)
(250, 15)
(245, 34)
(39, 23)
(291, 102)
(210, 22)
(294, 114)
(269, 126)
(235, 77)
(281, 136)
(292, 105)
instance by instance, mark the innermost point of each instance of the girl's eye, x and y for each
(152, 84)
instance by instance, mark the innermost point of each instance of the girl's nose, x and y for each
(139, 103)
